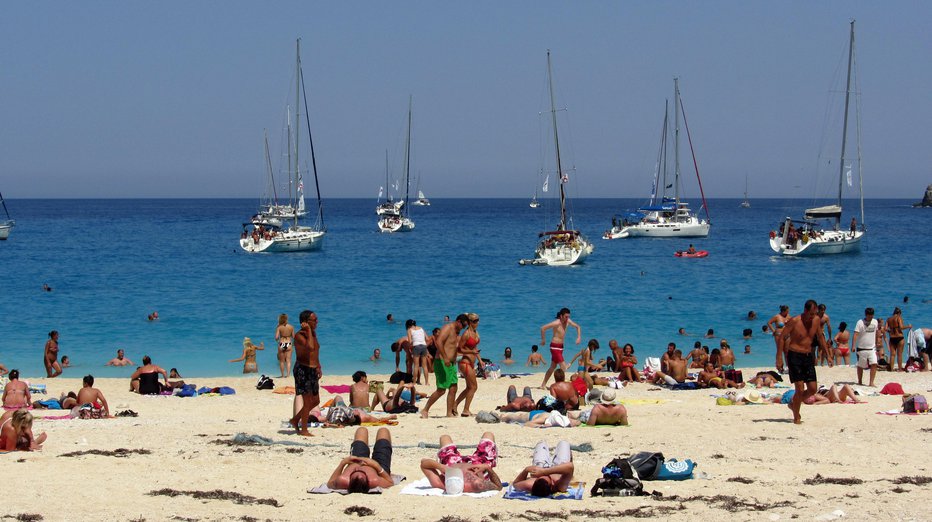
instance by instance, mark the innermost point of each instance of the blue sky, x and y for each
(170, 99)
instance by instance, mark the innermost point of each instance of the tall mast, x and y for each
(408, 158)
(268, 161)
(556, 144)
(844, 130)
(676, 141)
(660, 178)
(310, 139)
(297, 118)
(388, 196)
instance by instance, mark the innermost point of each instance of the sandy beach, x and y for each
(756, 461)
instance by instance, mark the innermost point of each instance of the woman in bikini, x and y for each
(586, 362)
(842, 350)
(895, 329)
(16, 393)
(776, 324)
(52, 367)
(16, 432)
(284, 334)
(468, 349)
(249, 356)
(628, 362)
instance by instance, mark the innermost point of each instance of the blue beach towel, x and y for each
(685, 386)
(51, 404)
(222, 390)
(188, 390)
(574, 492)
(673, 469)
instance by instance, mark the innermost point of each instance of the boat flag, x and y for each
(546, 183)
(848, 173)
(380, 191)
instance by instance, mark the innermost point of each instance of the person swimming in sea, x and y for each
(249, 356)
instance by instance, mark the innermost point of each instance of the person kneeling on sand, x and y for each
(92, 401)
(547, 474)
(16, 432)
(564, 391)
(358, 473)
(455, 473)
(676, 370)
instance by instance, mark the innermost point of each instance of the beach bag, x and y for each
(618, 479)
(676, 470)
(265, 383)
(734, 375)
(548, 403)
(647, 464)
(915, 404)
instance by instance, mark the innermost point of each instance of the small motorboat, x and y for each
(686, 253)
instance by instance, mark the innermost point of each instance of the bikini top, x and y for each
(472, 342)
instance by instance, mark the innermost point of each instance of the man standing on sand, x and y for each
(559, 326)
(445, 365)
(307, 371)
(865, 340)
(797, 338)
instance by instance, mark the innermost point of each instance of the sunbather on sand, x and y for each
(606, 412)
(547, 474)
(342, 415)
(395, 398)
(832, 394)
(358, 473)
(538, 418)
(712, 378)
(16, 432)
(477, 470)
(564, 391)
(515, 403)
(16, 393)
(763, 380)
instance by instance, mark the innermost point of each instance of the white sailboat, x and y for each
(421, 200)
(6, 226)
(808, 239)
(668, 218)
(294, 237)
(389, 205)
(534, 203)
(563, 246)
(398, 220)
(745, 203)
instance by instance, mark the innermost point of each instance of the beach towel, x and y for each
(423, 488)
(50, 404)
(684, 386)
(515, 375)
(324, 489)
(898, 412)
(574, 492)
(674, 469)
(892, 388)
(337, 388)
(284, 390)
(36, 388)
(221, 390)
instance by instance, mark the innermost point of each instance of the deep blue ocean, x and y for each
(112, 262)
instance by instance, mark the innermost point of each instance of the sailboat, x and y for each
(669, 218)
(534, 203)
(563, 246)
(809, 240)
(398, 220)
(421, 200)
(294, 237)
(390, 205)
(745, 203)
(6, 226)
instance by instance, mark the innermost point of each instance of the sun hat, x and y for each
(608, 396)
(754, 397)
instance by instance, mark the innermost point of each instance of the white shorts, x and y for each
(866, 358)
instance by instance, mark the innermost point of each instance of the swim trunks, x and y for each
(556, 352)
(584, 416)
(726, 367)
(381, 452)
(486, 453)
(306, 380)
(801, 366)
(866, 357)
(343, 415)
(445, 374)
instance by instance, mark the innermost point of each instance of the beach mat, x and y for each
(574, 492)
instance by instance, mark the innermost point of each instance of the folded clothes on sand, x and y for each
(284, 390)
(220, 390)
(574, 492)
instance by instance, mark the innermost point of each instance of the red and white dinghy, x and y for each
(686, 253)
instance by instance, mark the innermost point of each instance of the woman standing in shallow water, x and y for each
(895, 329)
(52, 367)
(249, 356)
(284, 334)
(776, 324)
(468, 348)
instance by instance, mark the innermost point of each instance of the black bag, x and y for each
(265, 383)
(554, 405)
(618, 480)
(647, 464)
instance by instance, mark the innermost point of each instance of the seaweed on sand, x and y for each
(119, 452)
(741, 480)
(916, 481)
(844, 481)
(217, 494)
(638, 512)
(729, 503)
(361, 511)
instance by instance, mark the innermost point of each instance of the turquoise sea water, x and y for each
(112, 262)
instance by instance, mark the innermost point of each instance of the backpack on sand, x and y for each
(265, 383)
(619, 479)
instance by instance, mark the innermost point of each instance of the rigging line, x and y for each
(695, 163)
(320, 205)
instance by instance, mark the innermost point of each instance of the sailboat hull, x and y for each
(292, 240)
(692, 228)
(390, 226)
(5, 229)
(828, 243)
(556, 251)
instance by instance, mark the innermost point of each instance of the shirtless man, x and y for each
(284, 334)
(797, 336)
(547, 474)
(564, 391)
(559, 326)
(535, 359)
(91, 395)
(307, 371)
(50, 357)
(359, 391)
(676, 370)
(359, 473)
(515, 403)
(664, 359)
(826, 354)
(726, 357)
(709, 377)
(478, 472)
(605, 415)
(616, 356)
(698, 356)
(119, 360)
(445, 365)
